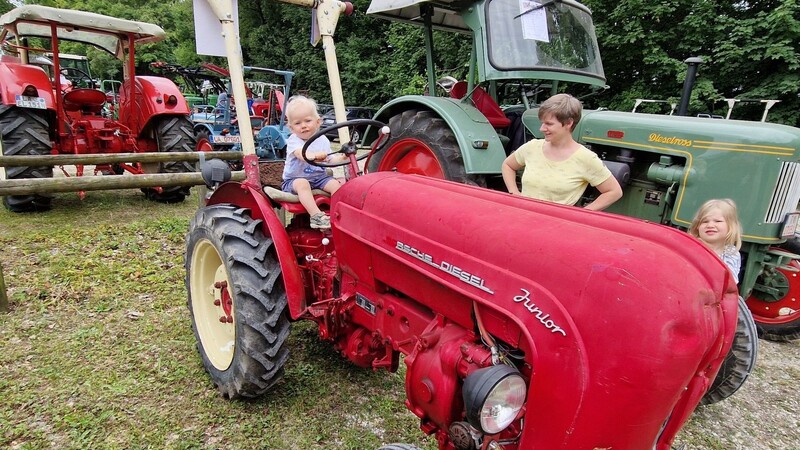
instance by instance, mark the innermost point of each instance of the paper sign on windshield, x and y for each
(534, 21)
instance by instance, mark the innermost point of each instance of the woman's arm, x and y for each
(610, 192)
(509, 170)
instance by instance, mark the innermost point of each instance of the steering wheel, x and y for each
(349, 149)
(76, 76)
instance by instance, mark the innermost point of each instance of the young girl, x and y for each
(717, 225)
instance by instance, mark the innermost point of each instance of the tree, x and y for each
(749, 51)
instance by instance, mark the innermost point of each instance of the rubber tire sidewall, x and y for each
(256, 287)
(24, 132)
(739, 361)
(427, 127)
(173, 134)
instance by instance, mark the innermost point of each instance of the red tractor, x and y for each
(38, 116)
(518, 330)
(523, 324)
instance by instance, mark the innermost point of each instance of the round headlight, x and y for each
(493, 397)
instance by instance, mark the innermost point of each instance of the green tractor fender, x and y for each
(481, 148)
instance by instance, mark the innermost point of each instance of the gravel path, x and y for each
(763, 415)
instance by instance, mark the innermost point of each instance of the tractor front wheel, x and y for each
(776, 306)
(740, 360)
(422, 143)
(237, 301)
(24, 132)
(173, 134)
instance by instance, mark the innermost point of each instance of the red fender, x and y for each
(151, 101)
(16, 77)
(244, 196)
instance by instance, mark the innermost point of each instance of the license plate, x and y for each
(790, 225)
(31, 102)
(227, 139)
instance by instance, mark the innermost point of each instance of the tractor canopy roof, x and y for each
(513, 39)
(445, 12)
(104, 32)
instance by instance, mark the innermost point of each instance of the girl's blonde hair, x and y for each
(728, 209)
(563, 107)
(297, 101)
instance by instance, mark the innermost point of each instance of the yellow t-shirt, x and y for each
(558, 181)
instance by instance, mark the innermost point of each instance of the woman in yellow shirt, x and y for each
(558, 169)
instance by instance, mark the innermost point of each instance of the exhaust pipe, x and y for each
(688, 83)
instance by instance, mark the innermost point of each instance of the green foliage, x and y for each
(749, 50)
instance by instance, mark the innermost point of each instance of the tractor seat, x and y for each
(87, 100)
(291, 202)
(484, 102)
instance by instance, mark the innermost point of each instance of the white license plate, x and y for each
(227, 139)
(31, 102)
(790, 225)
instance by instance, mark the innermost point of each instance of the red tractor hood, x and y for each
(623, 323)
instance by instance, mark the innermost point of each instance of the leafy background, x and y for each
(750, 50)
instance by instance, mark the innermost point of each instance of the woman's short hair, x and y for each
(563, 107)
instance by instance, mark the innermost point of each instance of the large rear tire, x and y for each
(24, 132)
(776, 310)
(422, 143)
(173, 134)
(740, 360)
(237, 301)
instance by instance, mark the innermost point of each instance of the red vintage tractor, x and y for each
(518, 330)
(38, 117)
(523, 324)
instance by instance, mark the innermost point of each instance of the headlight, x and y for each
(493, 397)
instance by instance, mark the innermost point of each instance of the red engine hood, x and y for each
(616, 316)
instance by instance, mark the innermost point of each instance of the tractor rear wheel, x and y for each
(740, 360)
(422, 143)
(776, 309)
(24, 132)
(173, 134)
(237, 301)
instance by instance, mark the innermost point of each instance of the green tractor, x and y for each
(668, 165)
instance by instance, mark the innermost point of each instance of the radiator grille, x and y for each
(786, 194)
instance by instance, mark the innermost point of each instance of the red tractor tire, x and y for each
(173, 134)
(24, 132)
(422, 143)
(739, 362)
(777, 316)
(237, 301)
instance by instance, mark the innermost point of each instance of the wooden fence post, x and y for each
(3, 296)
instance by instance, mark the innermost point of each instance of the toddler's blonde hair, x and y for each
(728, 209)
(298, 101)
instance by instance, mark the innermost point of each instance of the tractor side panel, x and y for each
(481, 149)
(15, 77)
(151, 100)
(614, 342)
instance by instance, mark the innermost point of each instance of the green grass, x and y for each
(98, 352)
